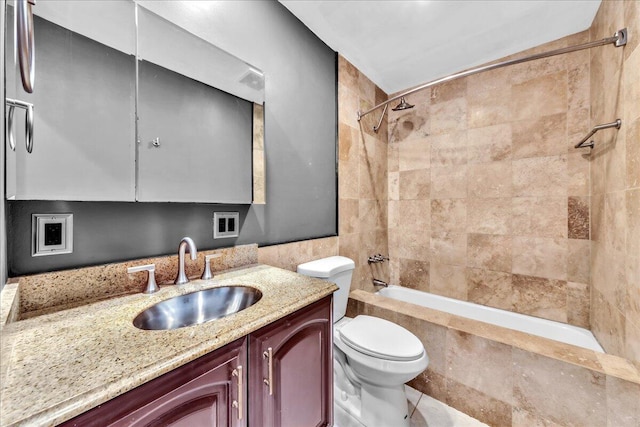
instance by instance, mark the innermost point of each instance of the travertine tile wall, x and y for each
(362, 175)
(290, 255)
(488, 200)
(615, 183)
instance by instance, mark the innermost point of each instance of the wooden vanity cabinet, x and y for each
(291, 375)
(204, 392)
(285, 369)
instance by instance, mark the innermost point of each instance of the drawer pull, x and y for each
(269, 381)
(238, 403)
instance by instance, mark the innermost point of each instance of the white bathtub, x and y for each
(521, 322)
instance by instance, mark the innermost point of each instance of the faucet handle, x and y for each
(152, 286)
(206, 274)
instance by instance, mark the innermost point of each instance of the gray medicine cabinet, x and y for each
(129, 106)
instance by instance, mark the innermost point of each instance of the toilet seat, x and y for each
(381, 339)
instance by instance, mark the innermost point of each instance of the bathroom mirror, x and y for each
(84, 104)
(199, 110)
(195, 130)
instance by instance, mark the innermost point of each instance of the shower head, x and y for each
(403, 105)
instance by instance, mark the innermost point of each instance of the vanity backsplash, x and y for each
(59, 290)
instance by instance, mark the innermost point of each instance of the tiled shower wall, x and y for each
(615, 183)
(488, 200)
(362, 175)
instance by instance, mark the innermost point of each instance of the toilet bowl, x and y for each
(373, 357)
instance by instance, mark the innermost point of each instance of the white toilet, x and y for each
(372, 359)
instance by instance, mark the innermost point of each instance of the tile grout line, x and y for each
(416, 405)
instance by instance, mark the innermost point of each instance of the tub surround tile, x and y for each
(448, 91)
(578, 218)
(578, 260)
(578, 178)
(489, 144)
(491, 288)
(448, 215)
(540, 136)
(449, 182)
(449, 149)
(540, 95)
(43, 356)
(448, 281)
(540, 297)
(415, 184)
(578, 304)
(577, 125)
(490, 180)
(414, 154)
(349, 216)
(451, 116)
(533, 375)
(607, 324)
(539, 216)
(540, 176)
(480, 364)
(523, 418)
(540, 256)
(477, 404)
(491, 252)
(489, 216)
(432, 336)
(489, 107)
(449, 248)
(409, 125)
(633, 154)
(414, 274)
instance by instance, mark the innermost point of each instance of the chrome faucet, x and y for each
(185, 243)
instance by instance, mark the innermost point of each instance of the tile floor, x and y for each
(425, 412)
(428, 412)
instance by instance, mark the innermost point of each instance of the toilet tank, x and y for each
(336, 269)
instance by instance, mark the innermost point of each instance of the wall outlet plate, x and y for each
(225, 224)
(51, 234)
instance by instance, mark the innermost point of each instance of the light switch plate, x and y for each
(52, 234)
(225, 224)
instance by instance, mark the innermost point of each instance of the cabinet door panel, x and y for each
(301, 380)
(200, 402)
(200, 393)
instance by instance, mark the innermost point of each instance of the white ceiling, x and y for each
(399, 44)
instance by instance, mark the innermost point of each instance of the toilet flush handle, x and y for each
(269, 381)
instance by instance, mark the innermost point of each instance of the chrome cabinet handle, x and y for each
(10, 137)
(28, 107)
(269, 381)
(238, 403)
(28, 128)
(26, 51)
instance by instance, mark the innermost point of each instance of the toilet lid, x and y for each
(382, 339)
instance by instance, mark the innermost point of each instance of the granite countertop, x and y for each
(59, 365)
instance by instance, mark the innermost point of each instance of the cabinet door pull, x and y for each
(10, 137)
(238, 403)
(26, 50)
(269, 381)
(28, 107)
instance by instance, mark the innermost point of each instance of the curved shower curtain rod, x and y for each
(618, 39)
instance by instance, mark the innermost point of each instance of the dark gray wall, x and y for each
(300, 144)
